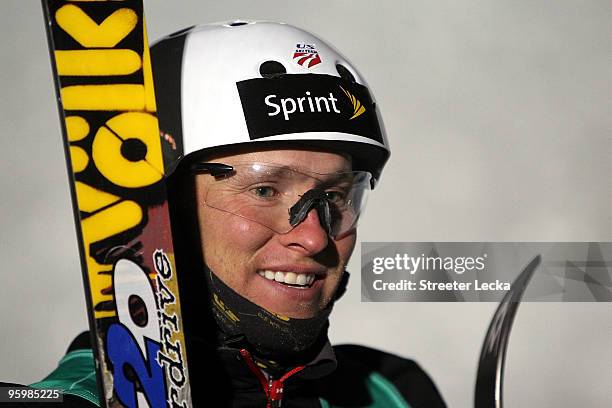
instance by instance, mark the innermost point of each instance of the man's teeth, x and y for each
(291, 278)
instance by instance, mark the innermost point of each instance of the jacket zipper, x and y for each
(271, 387)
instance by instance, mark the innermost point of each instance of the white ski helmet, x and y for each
(241, 83)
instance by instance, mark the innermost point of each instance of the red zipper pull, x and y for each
(275, 392)
(273, 388)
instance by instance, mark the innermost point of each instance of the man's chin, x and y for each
(292, 311)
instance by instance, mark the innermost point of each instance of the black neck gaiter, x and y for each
(274, 340)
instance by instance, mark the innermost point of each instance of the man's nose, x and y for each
(309, 235)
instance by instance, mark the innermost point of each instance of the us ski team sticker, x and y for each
(306, 55)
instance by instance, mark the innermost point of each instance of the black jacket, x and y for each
(342, 376)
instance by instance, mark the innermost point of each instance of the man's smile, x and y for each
(299, 281)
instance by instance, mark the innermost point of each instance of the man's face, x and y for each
(238, 250)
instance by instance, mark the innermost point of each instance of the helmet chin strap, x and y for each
(276, 341)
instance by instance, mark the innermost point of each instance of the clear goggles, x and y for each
(280, 197)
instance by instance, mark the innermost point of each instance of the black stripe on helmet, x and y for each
(167, 63)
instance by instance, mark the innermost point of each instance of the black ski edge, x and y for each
(48, 20)
(489, 378)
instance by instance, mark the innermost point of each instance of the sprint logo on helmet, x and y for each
(307, 103)
(311, 104)
(358, 108)
(299, 103)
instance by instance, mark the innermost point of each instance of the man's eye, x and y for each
(334, 196)
(264, 192)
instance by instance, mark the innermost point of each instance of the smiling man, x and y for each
(273, 143)
(290, 270)
(276, 144)
(276, 227)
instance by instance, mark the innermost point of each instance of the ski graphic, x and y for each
(102, 71)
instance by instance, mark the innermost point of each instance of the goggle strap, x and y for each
(214, 169)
